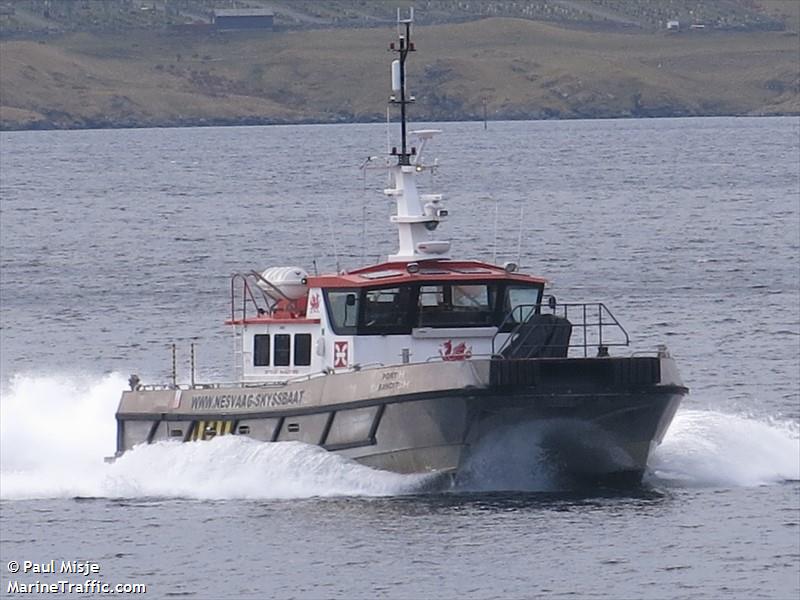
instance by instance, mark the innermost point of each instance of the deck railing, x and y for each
(593, 326)
(252, 295)
(249, 293)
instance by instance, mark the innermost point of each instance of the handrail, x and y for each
(152, 387)
(271, 285)
(585, 324)
(163, 387)
(247, 295)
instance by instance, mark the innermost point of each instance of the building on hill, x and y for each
(243, 18)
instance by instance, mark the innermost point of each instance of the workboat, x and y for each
(411, 364)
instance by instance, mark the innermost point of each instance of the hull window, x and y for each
(261, 350)
(282, 349)
(302, 349)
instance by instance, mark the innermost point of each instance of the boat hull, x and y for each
(585, 438)
(587, 419)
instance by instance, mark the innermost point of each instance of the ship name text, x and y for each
(247, 401)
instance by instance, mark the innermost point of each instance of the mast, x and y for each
(418, 215)
(403, 47)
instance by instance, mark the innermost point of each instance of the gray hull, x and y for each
(593, 419)
(580, 439)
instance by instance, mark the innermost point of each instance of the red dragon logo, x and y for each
(458, 352)
(314, 304)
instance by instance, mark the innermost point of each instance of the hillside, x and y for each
(21, 17)
(518, 68)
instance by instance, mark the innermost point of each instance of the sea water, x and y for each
(117, 243)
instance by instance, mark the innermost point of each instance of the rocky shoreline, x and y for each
(63, 122)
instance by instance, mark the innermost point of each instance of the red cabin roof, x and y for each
(396, 273)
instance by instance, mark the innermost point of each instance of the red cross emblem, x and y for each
(340, 354)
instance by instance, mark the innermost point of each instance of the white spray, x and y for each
(55, 431)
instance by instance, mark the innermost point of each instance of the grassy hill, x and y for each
(519, 68)
(21, 16)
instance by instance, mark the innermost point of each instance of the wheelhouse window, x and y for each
(386, 311)
(282, 349)
(396, 310)
(261, 350)
(521, 302)
(373, 311)
(343, 310)
(457, 305)
(302, 349)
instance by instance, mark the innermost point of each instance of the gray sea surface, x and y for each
(115, 244)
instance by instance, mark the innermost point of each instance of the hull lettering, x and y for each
(247, 401)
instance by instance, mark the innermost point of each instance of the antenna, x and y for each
(193, 365)
(494, 244)
(388, 132)
(519, 238)
(403, 46)
(363, 228)
(333, 236)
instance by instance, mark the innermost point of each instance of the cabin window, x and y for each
(457, 305)
(430, 296)
(302, 349)
(521, 302)
(385, 311)
(395, 310)
(282, 349)
(343, 310)
(261, 350)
